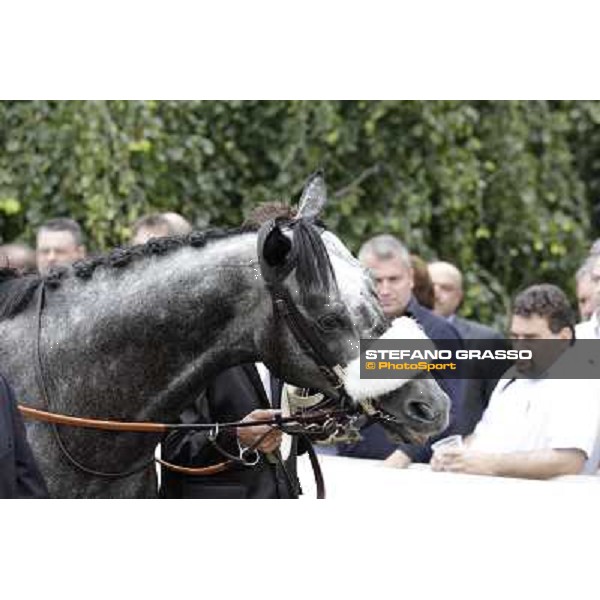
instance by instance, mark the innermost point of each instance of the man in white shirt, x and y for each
(535, 426)
(590, 329)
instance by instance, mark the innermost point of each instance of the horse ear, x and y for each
(276, 247)
(314, 196)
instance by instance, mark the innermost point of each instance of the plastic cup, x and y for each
(452, 441)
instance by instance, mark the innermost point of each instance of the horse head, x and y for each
(324, 302)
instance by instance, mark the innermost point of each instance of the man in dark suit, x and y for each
(448, 289)
(390, 264)
(245, 392)
(238, 393)
(19, 474)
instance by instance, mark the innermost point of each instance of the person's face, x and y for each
(147, 233)
(393, 281)
(534, 327)
(17, 258)
(595, 280)
(585, 297)
(447, 290)
(56, 248)
(524, 331)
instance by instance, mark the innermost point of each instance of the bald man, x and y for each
(584, 289)
(151, 226)
(179, 224)
(448, 288)
(448, 295)
(590, 329)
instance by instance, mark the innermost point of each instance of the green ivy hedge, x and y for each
(504, 189)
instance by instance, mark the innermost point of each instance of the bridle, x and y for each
(305, 332)
(314, 416)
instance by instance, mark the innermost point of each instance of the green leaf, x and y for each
(10, 206)
(140, 146)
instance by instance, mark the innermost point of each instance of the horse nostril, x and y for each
(420, 411)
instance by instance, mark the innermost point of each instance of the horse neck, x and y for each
(149, 337)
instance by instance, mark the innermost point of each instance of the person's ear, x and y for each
(566, 333)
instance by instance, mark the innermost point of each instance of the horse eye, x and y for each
(331, 322)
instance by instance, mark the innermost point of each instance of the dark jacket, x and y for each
(471, 330)
(19, 474)
(478, 384)
(375, 443)
(230, 397)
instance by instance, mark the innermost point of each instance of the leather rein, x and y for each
(318, 413)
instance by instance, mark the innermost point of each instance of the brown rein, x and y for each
(210, 470)
(49, 417)
(57, 419)
(150, 427)
(146, 427)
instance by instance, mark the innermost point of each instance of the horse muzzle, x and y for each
(417, 410)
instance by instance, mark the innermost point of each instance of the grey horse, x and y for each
(133, 335)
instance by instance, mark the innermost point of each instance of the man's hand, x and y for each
(397, 460)
(534, 464)
(460, 460)
(248, 436)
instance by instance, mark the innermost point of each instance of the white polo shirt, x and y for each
(539, 414)
(590, 329)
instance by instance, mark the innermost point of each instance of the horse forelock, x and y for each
(314, 270)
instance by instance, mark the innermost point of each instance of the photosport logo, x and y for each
(480, 359)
